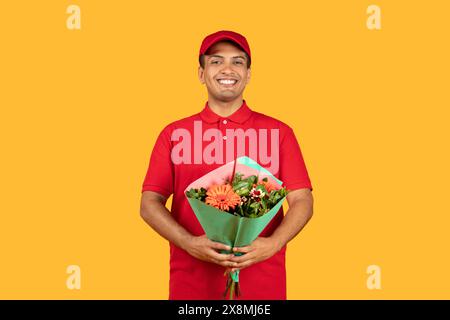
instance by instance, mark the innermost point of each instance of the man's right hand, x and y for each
(204, 249)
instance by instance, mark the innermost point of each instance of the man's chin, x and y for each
(227, 95)
(227, 98)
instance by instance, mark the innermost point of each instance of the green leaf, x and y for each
(199, 194)
(252, 180)
(263, 204)
(262, 188)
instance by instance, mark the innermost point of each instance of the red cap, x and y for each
(225, 35)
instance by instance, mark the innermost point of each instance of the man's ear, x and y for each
(201, 74)
(249, 73)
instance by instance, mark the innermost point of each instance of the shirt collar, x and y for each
(239, 116)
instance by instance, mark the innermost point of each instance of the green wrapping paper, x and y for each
(229, 229)
(226, 228)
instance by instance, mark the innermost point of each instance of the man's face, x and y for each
(225, 73)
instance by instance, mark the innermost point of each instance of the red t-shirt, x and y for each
(191, 278)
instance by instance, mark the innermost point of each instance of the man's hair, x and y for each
(201, 58)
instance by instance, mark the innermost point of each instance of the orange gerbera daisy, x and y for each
(268, 185)
(222, 197)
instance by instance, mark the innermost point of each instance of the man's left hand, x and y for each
(259, 250)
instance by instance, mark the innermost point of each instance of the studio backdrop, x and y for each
(86, 87)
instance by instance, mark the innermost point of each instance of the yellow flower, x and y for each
(222, 197)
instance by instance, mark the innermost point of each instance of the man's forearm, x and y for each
(294, 221)
(156, 215)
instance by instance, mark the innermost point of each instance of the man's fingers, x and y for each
(243, 258)
(220, 246)
(227, 264)
(219, 256)
(243, 249)
(242, 265)
(222, 259)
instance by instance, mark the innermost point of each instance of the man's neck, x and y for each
(225, 108)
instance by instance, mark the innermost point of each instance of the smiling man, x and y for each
(228, 129)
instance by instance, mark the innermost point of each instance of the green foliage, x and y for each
(199, 194)
(252, 206)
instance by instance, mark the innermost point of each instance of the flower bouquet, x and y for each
(234, 203)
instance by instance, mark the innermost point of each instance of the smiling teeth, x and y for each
(227, 81)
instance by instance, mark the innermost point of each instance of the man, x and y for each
(196, 266)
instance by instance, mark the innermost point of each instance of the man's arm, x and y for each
(156, 215)
(300, 212)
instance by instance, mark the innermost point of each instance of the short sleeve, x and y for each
(160, 172)
(293, 171)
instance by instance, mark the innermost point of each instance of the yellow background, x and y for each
(81, 109)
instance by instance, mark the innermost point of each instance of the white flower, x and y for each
(256, 193)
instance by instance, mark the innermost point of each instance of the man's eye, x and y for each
(239, 62)
(214, 62)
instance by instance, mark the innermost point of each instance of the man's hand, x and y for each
(259, 250)
(204, 249)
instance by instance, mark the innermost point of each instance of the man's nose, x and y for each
(227, 68)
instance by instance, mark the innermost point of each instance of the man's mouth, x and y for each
(227, 82)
